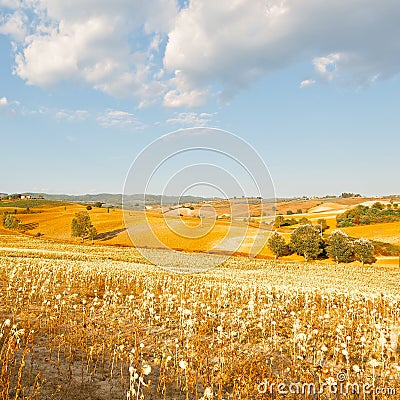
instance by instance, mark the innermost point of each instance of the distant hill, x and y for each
(112, 199)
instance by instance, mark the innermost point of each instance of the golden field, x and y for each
(385, 232)
(97, 322)
(55, 223)
(177, 232)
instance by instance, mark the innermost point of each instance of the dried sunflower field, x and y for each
(93, 322)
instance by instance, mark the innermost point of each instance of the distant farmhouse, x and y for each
(25, 196)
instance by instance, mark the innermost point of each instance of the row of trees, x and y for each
(280, 220)
(306, 240)
(363, 215)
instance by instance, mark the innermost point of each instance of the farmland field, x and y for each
(385, 232)
(97, 322)
(53, 221)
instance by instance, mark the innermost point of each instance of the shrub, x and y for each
(11, 222)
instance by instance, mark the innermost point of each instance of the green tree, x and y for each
(378, 205)
(304, 221)
(11, 222)
(92, 233)
(340, 247)
(364, 251)
(82, 227)
(322, 225)
(277, 245)
(306, 241)
(98, 204)
(279, 221)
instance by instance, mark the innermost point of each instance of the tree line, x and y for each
(307, 241)
(364, 215)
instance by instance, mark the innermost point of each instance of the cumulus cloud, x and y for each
(157, 52)
(191, 119)
(3, 101)
(91, 41)
(185, 93)
(233, 43)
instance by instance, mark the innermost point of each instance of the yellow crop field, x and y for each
(83, 321)
(385, 232)
(174, 232)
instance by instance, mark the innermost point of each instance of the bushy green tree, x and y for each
(378, 205)
(306, 241)
(304, 221)
(82, 227)
(279, 220)
(277, 245)
(92, 233)
(11, 222)
(340, 247)
(364, 251)
(322, 225)
(322, 222)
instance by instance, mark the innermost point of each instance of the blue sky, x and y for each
(314, 88)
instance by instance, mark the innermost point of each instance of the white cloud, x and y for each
(3, 101)
(14, 25)
(120, 119)
(91, 41)
(72, 115)
(233, 43)
(185, 93)
(307, 83)
(191, 119)
(12, 4)
(327, 66)
(155, 52)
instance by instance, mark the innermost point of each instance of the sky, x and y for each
(312, 87)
